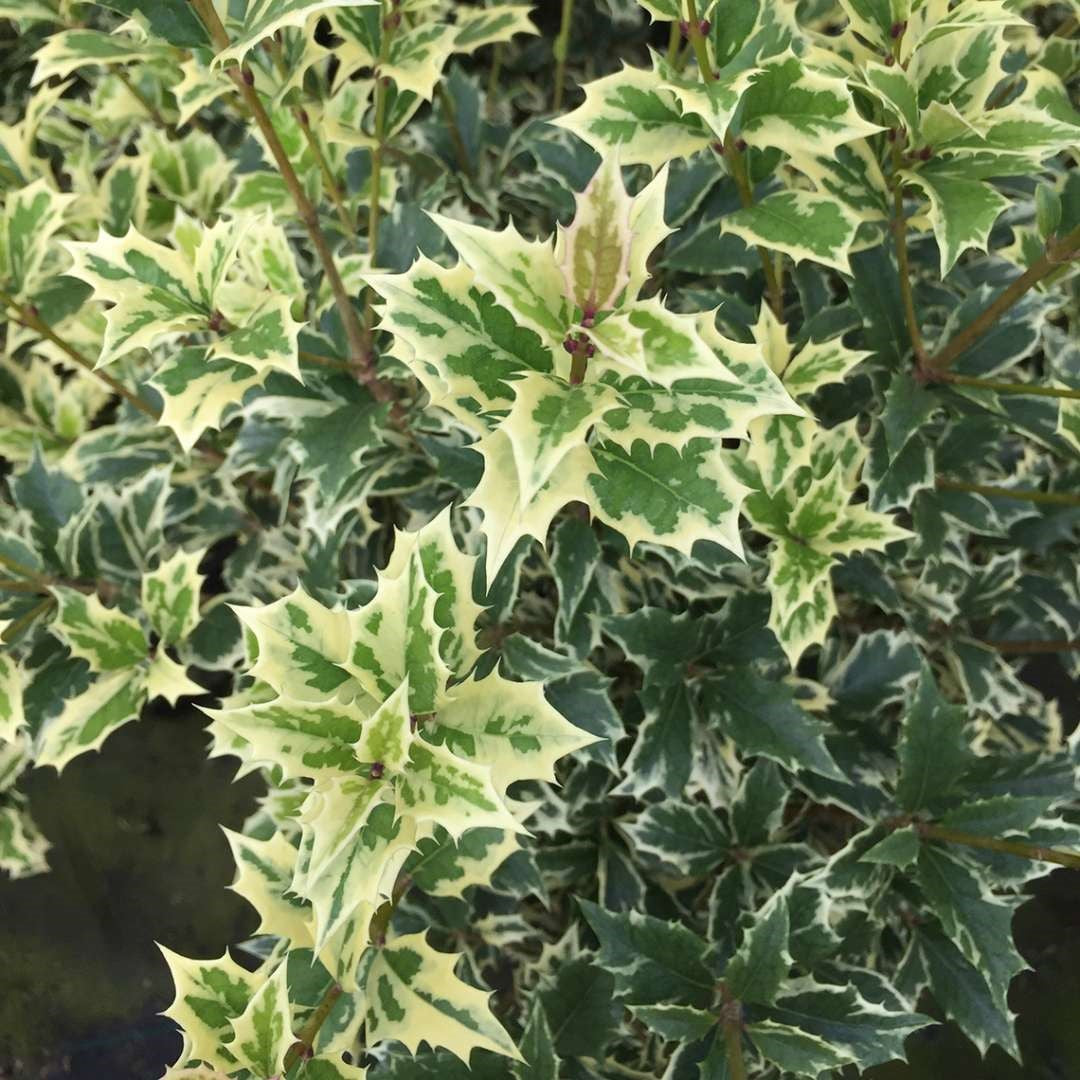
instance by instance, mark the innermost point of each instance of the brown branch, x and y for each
(360, 355)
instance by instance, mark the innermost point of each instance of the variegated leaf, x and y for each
(415, 996)
(264, 870)
(264, 18)
(87, 720)
(595, 247)
(801, 224)
(508, 726)
(107, 639)
(262, 1033)
(170, 595)
(635, 113)
(668, 496)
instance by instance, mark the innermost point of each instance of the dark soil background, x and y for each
(138, 857)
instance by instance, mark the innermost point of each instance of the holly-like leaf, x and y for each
(30, 217)
(415, 996)
(979, 923)
(508, 726)
(264, 18)
(634, 112)
(197, 390)
(596, 245)
(12, 716)
(209, 995)
(757, 970)
(107, 639)
(673, 497)
(476, 27)
(762, 717)
(654, 962)
(264, 871)
(262, 1033)
(87, 720)
(170, 595)
(801, 224)
(935, 750)
(962, 212)
(301, 646)
(537, 1048)
(789, 104)
(524, 277)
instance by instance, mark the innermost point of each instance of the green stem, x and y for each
(333, 191)
(10, 585)
(674, 42)
(15, 630)
(348, 225)
(731, 1025)
(323, 361)
(1010, 387)
(697, 41)
(22, 570)
(560, 49)
(375, 205)
(898, 227)
(1057, 498)
(1020, 648)
(1059, 250)
(1007, 847)
(360, 354)
(28, 319)
(305, 1043)
(774, 288)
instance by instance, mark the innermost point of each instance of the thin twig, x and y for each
(1058, 498)
(1059, 250)
(1006, 847)
(359, 353)
(1020, 648)
(15, 630)
(560, 49)
(31, 321)
(697, 41)
(1009, 387)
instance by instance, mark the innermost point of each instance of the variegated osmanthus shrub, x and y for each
(609, 463)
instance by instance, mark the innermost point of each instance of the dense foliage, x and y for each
(612, 530)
